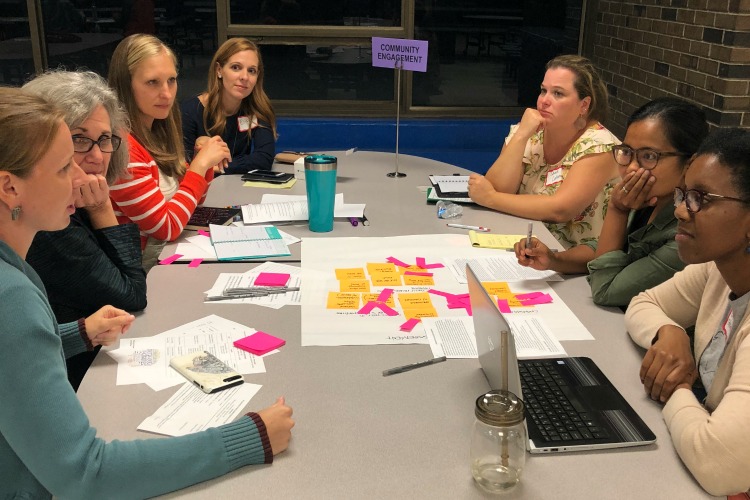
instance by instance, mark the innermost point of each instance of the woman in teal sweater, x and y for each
(636, 248)
(47, 446)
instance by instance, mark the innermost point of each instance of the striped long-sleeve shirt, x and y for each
(137, 198)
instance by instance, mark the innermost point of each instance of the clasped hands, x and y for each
(106, 325)
(668, 364)
(216, 148)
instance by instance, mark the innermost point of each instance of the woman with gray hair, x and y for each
(94, 261)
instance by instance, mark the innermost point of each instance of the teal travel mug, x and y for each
(320, 181)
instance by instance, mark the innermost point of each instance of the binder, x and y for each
(247, 242)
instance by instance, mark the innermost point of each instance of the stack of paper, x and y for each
(234, 243)
(247, 279)
(278, 208)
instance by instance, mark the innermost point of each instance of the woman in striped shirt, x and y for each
(160, 191)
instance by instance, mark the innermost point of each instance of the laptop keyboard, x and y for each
(551, 410)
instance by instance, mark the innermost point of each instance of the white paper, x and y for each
(451, 183)
(191, 410)
(145, 360)
(246, 280)
(285, 207)
(454, 337)
(502, 266)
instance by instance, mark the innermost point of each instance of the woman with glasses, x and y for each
(47, 445)
(94, 261)
(555, 165)
(636, 249)
(235, 107)
(709, 427)
(161, 191)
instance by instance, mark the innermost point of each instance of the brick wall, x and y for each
(695, 49)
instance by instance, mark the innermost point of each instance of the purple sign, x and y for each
(397, 52)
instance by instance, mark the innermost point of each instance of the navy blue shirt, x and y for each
(254, 151)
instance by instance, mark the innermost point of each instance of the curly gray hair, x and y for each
(77, 94)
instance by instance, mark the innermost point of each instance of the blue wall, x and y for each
(471, 144)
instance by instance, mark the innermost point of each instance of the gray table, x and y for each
(360, 435)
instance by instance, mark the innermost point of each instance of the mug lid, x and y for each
(499, 408)
(320, 159)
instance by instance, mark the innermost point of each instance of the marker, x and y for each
(406, 368)
(475, 228)
(353, 221)
(528, 235)
(365, 222)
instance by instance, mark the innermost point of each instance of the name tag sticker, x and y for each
(243, 123)
(554, 176)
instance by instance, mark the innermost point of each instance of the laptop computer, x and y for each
(570, 404)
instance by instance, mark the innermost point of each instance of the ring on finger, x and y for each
(624, 190)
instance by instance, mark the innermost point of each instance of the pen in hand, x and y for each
(406, 368)
(528, 235)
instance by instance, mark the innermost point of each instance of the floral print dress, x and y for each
(541, 178)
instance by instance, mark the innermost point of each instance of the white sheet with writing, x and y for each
(502, 267)
(192, 410)
(454, 337)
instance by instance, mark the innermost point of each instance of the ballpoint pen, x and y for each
(528, 235)
(474, 228)
(260, 290)
(406, 368)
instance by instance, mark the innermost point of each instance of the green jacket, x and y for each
(651, 258)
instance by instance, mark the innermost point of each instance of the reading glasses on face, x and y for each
(647, 158)
(695, 199)
(106, 143)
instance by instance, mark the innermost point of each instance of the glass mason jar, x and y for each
(498, 441)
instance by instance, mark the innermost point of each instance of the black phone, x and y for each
(267, 176)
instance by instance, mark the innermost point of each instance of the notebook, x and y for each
(235, 243)
(451, 186)
(570, 404)
(489, 240)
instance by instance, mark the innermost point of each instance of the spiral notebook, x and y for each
(247, 242)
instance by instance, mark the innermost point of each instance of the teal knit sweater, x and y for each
(48, 447)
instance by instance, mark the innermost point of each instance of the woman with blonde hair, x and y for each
(555, 165)
(47, 446)
(234, 107)
(94, 261)
(160, 192)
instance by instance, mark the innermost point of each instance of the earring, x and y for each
(219, 76)
(15, 213)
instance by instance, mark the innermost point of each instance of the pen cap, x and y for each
(320, 183)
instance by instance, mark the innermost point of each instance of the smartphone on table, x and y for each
(206, 371)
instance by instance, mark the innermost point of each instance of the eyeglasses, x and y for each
(647, 158)
(695, 199)
(106, 143)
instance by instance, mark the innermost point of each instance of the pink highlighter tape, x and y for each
(259, 343)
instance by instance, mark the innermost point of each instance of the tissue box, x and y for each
(299, 168)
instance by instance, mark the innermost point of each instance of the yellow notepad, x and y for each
(488, 240)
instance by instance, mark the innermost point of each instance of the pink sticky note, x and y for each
(502, 304)
(259, 343)
(203, 232)
(414, 273)
(271, 279)
(529, 296)
(421, 262)
(399, 263)
(542, 299)
(409, 324)
(195, 262)
(447, 295)
(367, 308)
(170, 259)
(385, 294)
(386, 309)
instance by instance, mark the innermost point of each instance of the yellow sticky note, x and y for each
(415, 269)
(414, 300)
(420, 313)
(385, 279)
(372, 297)
(510, 297)
(354, 273)
(380, 267)
(496, 288)
(338, 300)
(418, 280)
(358, 285)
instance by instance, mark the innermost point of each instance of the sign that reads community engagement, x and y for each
(409, 54)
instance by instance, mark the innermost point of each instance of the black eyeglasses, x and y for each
(647, 158)
(695, 199)
(106, 143)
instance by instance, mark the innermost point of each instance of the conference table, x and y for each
(359, 434)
